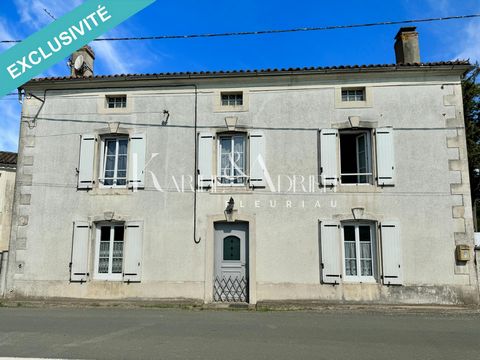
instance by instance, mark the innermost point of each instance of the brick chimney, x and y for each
(407, 50)
(88, 59)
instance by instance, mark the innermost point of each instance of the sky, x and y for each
(439, 41)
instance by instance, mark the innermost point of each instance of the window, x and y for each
(353, 94)
(232, 99)
(356, 157)
(231, 159)
(109, 259)
(117, 102)
(231, 248)
(359, 252)
(115, 154)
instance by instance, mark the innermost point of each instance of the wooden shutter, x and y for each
(136, 163)
(385, 157)
(328, 157)
(132, 264)
(205, 166)
(80, 251)
(331, 264)
(87, 157)
(257, 159)
(391, 253)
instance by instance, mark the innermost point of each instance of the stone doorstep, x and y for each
(192, 304)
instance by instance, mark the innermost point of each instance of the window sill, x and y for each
(243, 189)
(360, 282)
(358, 188)
(110, 191)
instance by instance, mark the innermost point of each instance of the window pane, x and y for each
(122, 162)
(110, 165)
(122, 147)
(111, 147)
(366, 267)
(365, 250)
(103, 265)
(349, 233)
(231, 248)
(350, 250)
(364, 233)
(105, 233)
(351, 267)
(118, 234)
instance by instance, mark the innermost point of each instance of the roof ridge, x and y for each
(267, 70)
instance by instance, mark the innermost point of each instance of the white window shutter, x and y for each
(80, 251)
(385, 157)
(328, 157)
(391, 253)
(331, 264)
(87, 157)
(133, 247)
(257, 159)
(136, 163)
(205, 166)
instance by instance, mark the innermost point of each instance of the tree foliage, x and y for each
(471, 103)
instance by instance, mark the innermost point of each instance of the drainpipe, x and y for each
(3, 272)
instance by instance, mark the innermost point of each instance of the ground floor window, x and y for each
(109, 251)
(359, 252)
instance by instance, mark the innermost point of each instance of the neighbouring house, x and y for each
(8, 165)
(344, 183)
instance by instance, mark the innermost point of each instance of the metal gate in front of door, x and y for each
(231, 267)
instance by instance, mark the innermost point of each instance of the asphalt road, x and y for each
(113, 333)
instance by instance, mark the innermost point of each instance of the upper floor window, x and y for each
(231, 159)
(356, 157)
(232, 98)
(347, 156)
(116, 101)
(114, 160)
(357, 94)
(114, 170)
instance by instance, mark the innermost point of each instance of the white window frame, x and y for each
(107, 101)
(219, 159)
(356, 90)
(374, 253)
(103, 161)
(370, 164)
(232, 93)
(107, 276)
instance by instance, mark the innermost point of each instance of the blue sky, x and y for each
(439, 41)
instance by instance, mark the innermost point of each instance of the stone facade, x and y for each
(429, 199)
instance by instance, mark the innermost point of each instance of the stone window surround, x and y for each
(102, 104)
(339, 104)
(217, 104)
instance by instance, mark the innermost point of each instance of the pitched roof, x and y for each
(8, 159)
(285, 71)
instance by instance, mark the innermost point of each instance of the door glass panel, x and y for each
(231, 248)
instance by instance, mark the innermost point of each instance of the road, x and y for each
(114, 333)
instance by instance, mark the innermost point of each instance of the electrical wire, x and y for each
(279, 31)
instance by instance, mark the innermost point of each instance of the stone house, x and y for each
(344, 183)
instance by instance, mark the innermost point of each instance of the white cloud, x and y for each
(469, 45)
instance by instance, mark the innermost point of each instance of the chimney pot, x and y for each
(407, 50)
